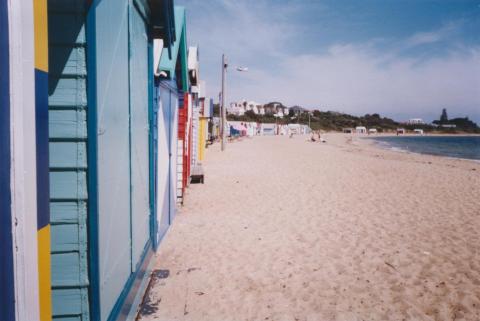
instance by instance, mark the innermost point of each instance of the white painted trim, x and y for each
(23, 172)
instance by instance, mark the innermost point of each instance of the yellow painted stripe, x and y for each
(41, 34)
(44, 273)
(201, 139)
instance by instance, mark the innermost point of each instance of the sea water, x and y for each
(467, 147)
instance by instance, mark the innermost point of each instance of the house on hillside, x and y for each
(240, 108)
(415, 121)
(276, 109)
(297, 110)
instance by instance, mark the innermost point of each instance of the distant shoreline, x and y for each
(459, 149)
(407, 134)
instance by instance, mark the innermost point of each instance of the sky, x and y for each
(402, 59)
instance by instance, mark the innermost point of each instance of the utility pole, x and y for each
(224, 111)
(220, 115)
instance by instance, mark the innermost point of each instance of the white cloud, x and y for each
(353, 78)
(423, 38)
(357, 80)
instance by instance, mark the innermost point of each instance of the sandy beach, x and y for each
(285, 229)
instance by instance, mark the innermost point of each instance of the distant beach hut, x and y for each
(237, 128)
(372, 130)
(215, 130)
(242, 130)
(361, 130)
(294, 129)
(305, 129)
(348, 130)
(283, 130)
(401, 131)
(418, 131)
(268, 129)
(251, 128)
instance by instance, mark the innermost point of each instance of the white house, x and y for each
(240, 108)
(415, 121)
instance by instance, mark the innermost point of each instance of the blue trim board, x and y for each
(92, 158)
(41, 130)
(151, 147)
(126, 300)
(168, 60)
(7, 273)
(129, 23)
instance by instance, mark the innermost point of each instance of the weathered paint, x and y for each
(41, 127)
(68, 159)
(7, 290)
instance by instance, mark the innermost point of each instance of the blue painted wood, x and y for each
(139, 135)
(68, 124)
(124, 305)
(41, 142)
(68, 185)
(7, 288)
(166, 157)
(69, 302)
(68, 159)
(66, 236)
(65, 270)
(76, 318)
(68, 92)
(168, 62)
(67, 212)
(68, 155)
(112, 113)
(92, 128)
(152, 110)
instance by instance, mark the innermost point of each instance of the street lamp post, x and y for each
(223, 109)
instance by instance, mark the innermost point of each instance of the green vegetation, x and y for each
(330, 120)
(335, 121)
(461, 124)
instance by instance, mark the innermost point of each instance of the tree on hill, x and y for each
(444, 117)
